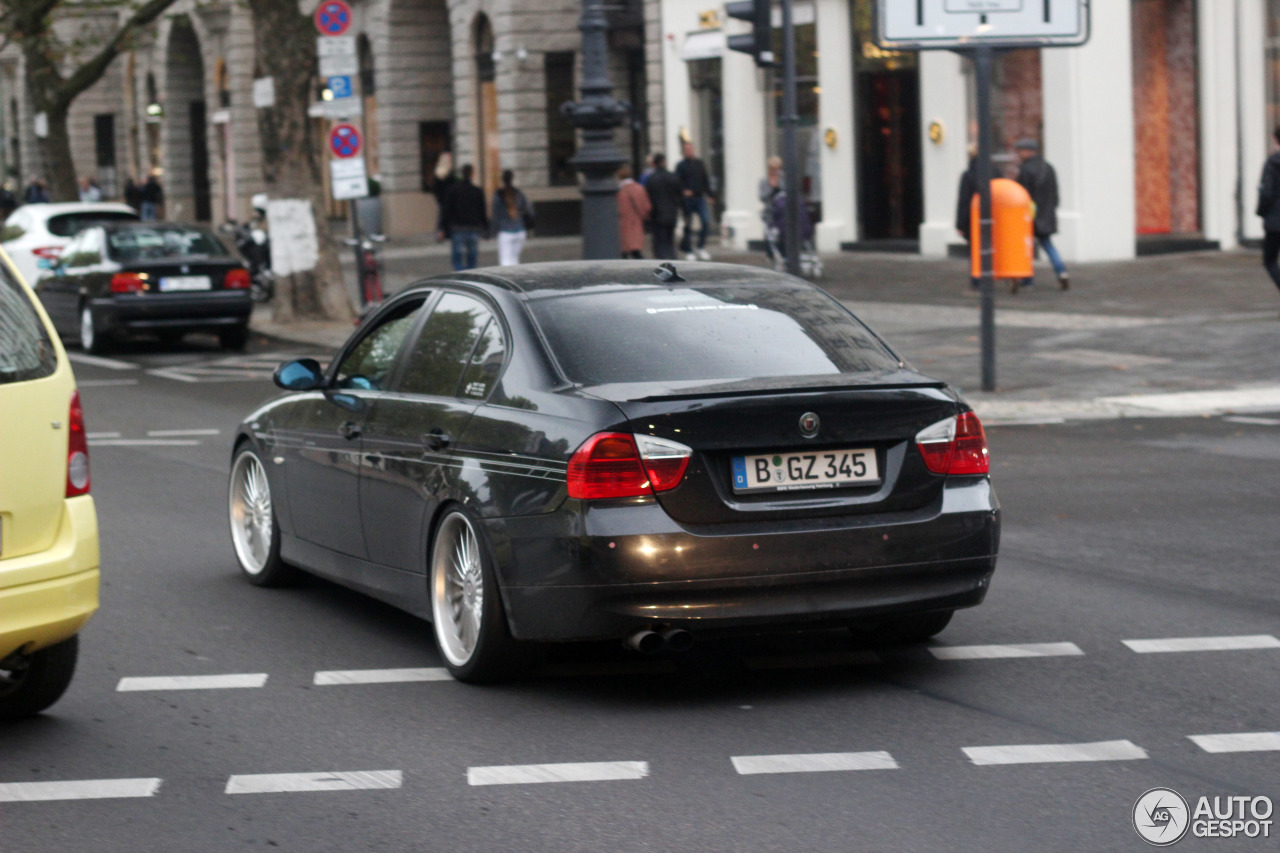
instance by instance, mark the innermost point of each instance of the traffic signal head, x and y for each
(759, 42)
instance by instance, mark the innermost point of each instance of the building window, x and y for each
(561, 138)
(434, 138)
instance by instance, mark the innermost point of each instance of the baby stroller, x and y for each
(775, 217)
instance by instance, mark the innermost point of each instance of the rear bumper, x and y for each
(48, 596)
(614, 579)
(173, 311)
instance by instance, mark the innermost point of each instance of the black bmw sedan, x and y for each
(119, 278)
(603, 450)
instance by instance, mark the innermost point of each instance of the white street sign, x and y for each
(339, 66)
(264, 92)
(337, 109)
(348, 178)
(335, 46)
(951, 24)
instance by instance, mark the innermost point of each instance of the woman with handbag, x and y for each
(634, 208)
(512, 220)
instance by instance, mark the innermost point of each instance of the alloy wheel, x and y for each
(457, 589)
(251, 513)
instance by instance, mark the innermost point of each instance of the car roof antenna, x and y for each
(667, 274)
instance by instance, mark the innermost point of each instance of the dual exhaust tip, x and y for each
(647, 641)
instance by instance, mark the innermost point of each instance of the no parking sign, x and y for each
(333, 17)
(344, 141)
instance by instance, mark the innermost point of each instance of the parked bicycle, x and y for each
(368, 269)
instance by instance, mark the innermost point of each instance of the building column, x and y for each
(1219, 125)
(675, 79)
(1088, 129)
(745, 146)
(1255, 136)
(944, 100)
(835, 122)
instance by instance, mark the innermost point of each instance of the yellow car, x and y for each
(48, 524)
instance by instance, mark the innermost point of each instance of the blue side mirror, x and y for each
(304, 374)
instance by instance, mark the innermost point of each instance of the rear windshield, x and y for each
(161, 241)
(25, 349)
(70, 224)
(705, 333)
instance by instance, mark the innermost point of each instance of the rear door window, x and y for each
(26, 352)
(444, 349)
(705, 333)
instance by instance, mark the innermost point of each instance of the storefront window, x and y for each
(561, 140)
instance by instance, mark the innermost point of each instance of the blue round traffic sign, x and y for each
(344, 141)
(333, 17)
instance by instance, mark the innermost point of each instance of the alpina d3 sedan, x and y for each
(590, 450)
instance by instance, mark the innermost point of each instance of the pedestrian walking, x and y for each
(1269, 209)
(463, 219)
(89, 189)
(8, 201)
(696, 185)
(634, 208)
(35, 193)
(1039, 179)
(133, 194)
(152, 198)
(964, 209)
(773, 182)
(667, 199)
(512, 218)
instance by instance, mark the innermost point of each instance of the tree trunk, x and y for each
(285, 50)
(55, 156)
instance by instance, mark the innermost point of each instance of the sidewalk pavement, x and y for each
(1167, 335)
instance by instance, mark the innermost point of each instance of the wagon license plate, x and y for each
(172, 283)
(820, 469)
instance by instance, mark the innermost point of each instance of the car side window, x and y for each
(443, 349)
(368, 366)
(88, 249)
(485, 364)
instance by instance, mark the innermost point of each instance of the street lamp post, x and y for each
(598, 159)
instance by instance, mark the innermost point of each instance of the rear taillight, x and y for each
(48, 253)
(955, 446)
(236, 280)
(128, 282)
(618, 465)
(77, 450)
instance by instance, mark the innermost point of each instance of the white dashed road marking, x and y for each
(530, 774)
(281, 783)
(181, 433)
(193, 682)
(1241, 419)
(382, 676)
(83, 789)
(170, 374)
(143, 442)
(1050, 753)
(104, 383)
(99, 361)
(99, 436)
(818, 762)
(1018, 650)
(1204, 644)
(1242, 742)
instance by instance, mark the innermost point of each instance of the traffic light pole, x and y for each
(790, 146)
(982, 61)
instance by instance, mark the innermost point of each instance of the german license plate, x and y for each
(789, 472)
(185, 282)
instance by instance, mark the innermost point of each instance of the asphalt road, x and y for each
(1114, 531)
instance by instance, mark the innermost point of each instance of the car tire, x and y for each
(235, 339)
(92, 340)
(255, 531)
(903, 630)
(38, 680)
(467, 618)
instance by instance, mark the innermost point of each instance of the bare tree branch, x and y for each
(89, 72)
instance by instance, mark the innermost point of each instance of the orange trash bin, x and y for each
(1012, 230)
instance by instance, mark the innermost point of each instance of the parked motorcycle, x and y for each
(254, 244)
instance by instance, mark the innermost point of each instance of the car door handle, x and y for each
(436, 439)
(350, 430)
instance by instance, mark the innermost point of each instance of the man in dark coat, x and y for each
(964, 208)
(1269, 209)
(696, 184)
(1038, 178)
(464, 218)
(667, 196)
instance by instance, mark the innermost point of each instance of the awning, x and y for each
(703, 45)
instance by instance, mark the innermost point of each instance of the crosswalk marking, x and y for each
(1241, 742)
(1049, 753)
(381, 676)
(1204, 644)
(192, 682)
(816, 762)
(99, 361)
(532, 774)
(1016, 650)
(81, 789)
(282, 783)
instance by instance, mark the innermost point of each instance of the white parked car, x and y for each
(35, 234)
